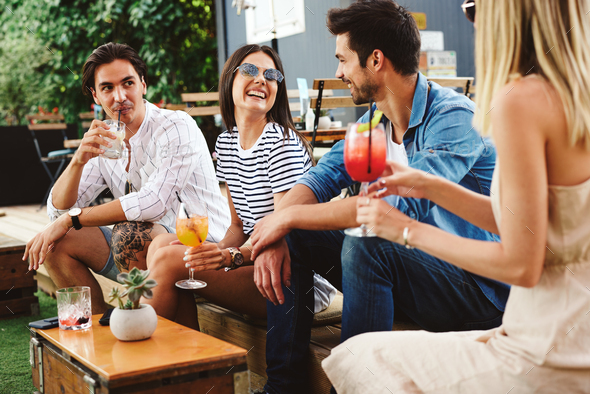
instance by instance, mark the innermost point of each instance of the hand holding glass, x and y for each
(116, 150)
(364, 159)
(192, 226)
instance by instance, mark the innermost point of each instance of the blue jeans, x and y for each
(289, 325)
(376, 277)
(381, 278)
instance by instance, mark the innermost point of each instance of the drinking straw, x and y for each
(119, 120)
(370, 130)
(178, 196)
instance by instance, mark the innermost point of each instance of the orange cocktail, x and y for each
(192, 231)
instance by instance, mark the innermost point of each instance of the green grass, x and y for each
(15, 370)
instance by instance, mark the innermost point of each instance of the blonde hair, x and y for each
(515, 38)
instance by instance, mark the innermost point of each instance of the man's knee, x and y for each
(129, 243)
(65, 247)
(361, 255)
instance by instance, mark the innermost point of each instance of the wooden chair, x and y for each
(313, 93)
(61, 156)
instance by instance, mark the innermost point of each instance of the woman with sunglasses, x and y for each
(533, 78)
(260, 158)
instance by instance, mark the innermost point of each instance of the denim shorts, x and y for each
(110, 269)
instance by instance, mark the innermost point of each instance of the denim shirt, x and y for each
(440, 140)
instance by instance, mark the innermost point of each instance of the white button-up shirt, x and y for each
(168, 154)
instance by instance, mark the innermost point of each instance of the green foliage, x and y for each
(115, 294)
(176, 40)
(137, 285)
(15, 370)
(21, 75)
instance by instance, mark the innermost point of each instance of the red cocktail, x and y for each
(364, 158)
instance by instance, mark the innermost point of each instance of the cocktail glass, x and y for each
(116, 150)
(74, 309)
(364, 159)
(192, 226)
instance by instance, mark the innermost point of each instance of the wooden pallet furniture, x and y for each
(175, 359)
(234, 328)
(17, 284)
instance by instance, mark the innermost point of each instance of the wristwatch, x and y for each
(74, 213)
(237, 259)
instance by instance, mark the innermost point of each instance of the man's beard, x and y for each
(364, 93)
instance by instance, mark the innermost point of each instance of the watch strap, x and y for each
(76, 222)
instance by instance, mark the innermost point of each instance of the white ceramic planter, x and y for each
(134, 324)
(324, 122)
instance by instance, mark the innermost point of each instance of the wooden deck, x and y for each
(23, 222)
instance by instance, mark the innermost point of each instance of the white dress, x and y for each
(542, 346)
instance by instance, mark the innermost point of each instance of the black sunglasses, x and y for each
(468, 7)
(250, 71)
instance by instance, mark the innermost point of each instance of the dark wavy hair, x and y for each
(379, 24)
(106, 54)
(280, 112)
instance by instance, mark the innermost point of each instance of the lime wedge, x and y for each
(365, 126)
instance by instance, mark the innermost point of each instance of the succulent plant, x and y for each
(136, 285)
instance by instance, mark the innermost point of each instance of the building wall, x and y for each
(311, 54)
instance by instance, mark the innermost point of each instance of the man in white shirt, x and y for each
(165, 154)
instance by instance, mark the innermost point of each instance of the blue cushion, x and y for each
(62, 152)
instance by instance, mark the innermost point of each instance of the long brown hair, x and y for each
(280, 113)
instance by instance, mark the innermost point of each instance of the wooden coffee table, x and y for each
(175, 359)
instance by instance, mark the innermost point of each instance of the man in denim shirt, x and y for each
(377, 45)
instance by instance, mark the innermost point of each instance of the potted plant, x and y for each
(324, 121)
(133, 321)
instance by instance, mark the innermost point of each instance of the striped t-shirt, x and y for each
(271, 166)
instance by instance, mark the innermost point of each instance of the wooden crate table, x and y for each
(175, 359)
(17, 284)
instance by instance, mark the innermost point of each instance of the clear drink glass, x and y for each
(364, 159)
(116, 150)
(192, 226)
(74, 309)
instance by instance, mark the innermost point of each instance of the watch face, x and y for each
(239, 259)
(75, 211)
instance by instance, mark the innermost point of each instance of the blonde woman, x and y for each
(533, 62)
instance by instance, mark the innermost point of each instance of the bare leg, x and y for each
(71, 257)
(234, 290)
(130, 242)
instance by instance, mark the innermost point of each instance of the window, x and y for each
(289, 16)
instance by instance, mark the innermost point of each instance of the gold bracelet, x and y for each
(405, 235)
